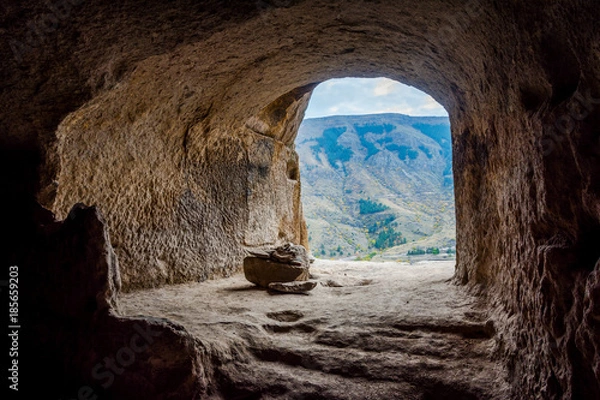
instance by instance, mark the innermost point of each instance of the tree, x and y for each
(370, 207)
(415, 251)
(388, 237)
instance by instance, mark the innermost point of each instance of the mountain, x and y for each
(377, 184)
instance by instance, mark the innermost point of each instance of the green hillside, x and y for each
(377, 186)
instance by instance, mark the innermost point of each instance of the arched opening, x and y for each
(361, 325)
(239, 189)
(376, 167)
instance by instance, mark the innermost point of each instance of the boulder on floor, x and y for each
(287, 263)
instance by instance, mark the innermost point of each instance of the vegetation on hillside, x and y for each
(377, 129)
(403, 151)
(349, 164)
(441, 134)
(416, 251)
(370, 207)
(329, 143)
(363, 130)
(388, 237)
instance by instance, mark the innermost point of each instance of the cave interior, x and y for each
(147, 144)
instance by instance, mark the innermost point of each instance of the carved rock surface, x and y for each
(73, 323)
(330, 346)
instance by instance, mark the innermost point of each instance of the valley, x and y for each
(378, 187)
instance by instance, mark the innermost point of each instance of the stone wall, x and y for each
(184, 196)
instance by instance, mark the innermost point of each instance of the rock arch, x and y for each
(175, 119)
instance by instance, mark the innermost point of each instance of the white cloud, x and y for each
(384, 87)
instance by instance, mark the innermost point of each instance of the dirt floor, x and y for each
(367, 331)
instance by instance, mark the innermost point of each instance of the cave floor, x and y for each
(368, 331)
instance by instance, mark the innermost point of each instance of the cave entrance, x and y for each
(376, 168)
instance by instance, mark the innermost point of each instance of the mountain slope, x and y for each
(376, 183)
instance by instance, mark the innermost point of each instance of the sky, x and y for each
(353, 96)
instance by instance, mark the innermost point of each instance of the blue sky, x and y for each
(353, 96)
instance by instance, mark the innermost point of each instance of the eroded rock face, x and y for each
(75, 339)
(182, 206)
(176, 120)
